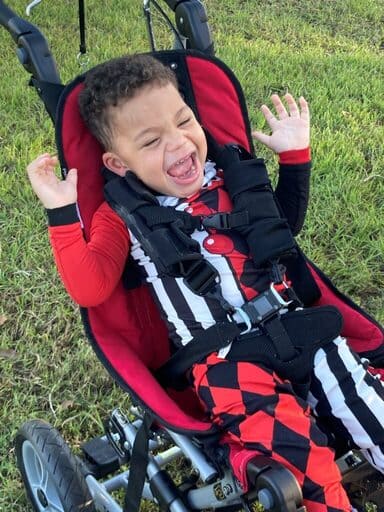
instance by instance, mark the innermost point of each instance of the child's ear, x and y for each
(114, 163)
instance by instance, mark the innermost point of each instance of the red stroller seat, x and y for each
(126, 331)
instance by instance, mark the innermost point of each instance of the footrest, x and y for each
(101, 458)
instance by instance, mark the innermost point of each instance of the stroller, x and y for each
(164, 426)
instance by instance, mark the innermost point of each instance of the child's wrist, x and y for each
(295, 156)
(62, 215)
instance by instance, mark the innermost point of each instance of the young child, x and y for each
(133, 107)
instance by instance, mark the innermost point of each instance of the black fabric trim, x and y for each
(59, 121)
(293, 168)
(63, 215)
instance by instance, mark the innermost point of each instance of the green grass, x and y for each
(331, 51)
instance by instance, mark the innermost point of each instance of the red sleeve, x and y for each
(91, 270)
(295, 156)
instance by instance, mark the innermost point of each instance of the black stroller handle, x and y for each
(173, 3)
(32, 48)
(6, 14)
(192, 23)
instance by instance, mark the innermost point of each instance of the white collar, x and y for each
(209, 174)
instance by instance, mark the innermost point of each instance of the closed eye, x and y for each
(185, 121)
(151, 142)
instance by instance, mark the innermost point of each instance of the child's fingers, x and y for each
(292, 105)
(48, 164)
(37, 161)
(44, 158)
(279, 107)
(304, 108)
(42, 162)
(268, 115)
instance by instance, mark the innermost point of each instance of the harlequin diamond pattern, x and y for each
(261, 412)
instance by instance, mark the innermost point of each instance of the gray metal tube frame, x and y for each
(220, 493)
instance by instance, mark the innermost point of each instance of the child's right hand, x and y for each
(52, 192)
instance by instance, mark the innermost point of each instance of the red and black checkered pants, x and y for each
(260, 412)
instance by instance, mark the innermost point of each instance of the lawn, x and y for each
(332, 52)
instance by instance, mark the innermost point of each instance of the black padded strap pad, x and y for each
(308, 329)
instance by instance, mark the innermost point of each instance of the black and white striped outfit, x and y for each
(342, 391)
(349, 399)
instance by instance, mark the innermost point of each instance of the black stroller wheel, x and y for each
(50, 472)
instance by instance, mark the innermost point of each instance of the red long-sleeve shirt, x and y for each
(90, 271)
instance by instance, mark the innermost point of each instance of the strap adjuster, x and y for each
(244, 317)
(225, 220)
(201, 277)
(284, 303)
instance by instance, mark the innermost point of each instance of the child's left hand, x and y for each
(290, 130)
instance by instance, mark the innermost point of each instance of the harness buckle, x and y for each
(264, 306)
(244, 317)
(216, 221)
(225, 220)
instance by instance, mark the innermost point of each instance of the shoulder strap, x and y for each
(163, 233)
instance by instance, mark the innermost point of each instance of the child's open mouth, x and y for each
(185, 170)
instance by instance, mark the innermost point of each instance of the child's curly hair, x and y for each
(112, 82)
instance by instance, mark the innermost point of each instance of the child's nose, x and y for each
(176, 140)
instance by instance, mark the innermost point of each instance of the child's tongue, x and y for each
(180, 169)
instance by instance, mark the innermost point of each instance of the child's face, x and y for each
(157, 136)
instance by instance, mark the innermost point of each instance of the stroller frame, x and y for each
(98, 472)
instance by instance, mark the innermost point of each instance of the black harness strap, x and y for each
(173, 372)
(225, 221)
(280, 340)
(308, 329)
(157, 215)
(138, 466)
(247, 182)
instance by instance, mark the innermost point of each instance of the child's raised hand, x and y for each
(52, 191)
(290, 129)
